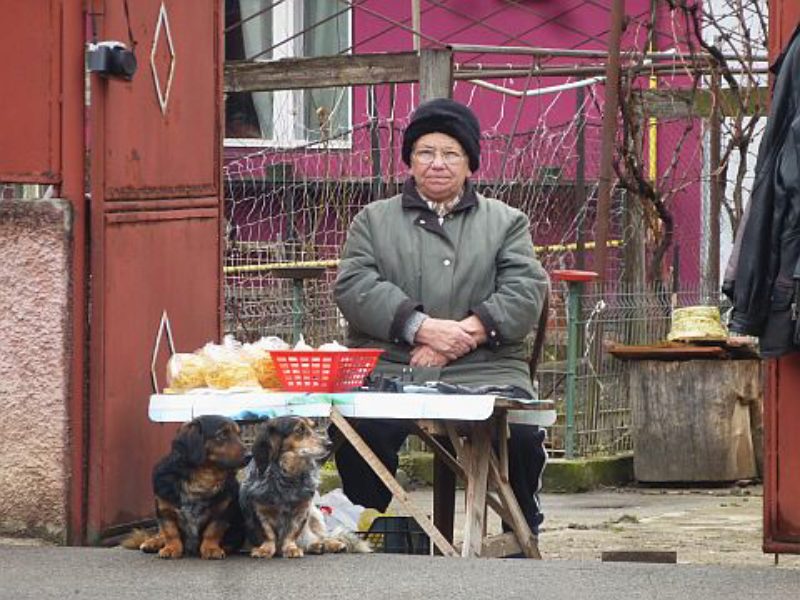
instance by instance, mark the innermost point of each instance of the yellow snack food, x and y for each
(186, 372)
(224, 374)
(697, 323)
(266, 373)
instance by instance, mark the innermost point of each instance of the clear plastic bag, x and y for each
(228, 365)
(186, 372)
(257, 355)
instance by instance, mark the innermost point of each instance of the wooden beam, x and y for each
(498, 546)
(480, 449)
(321, 72)
(503, 434)
(435, 74)
(527, 540)
(455, 466)
(670, 104)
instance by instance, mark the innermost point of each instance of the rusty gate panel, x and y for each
(156, 234)
(782, 456)
(30, 72)
(784, 16)
(161, 261)
(153, 121)
(781, 405)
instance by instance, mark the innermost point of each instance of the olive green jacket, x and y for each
(399, 259)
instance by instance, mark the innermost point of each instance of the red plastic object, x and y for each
(570, 275)
(323, 371)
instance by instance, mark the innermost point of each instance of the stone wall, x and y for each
(35, 346)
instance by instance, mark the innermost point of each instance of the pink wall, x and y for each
(565, 24)
(35, 350)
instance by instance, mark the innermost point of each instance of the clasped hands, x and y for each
(440, 341)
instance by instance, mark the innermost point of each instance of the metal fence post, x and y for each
(298, 273)
(574, 280)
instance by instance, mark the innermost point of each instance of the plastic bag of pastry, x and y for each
(271, 342)
(186, 372)
(266, 372)
(261, 362)
(227, 366)
(301, 344)
(333, 346)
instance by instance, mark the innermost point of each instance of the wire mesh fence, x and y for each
(287, 210)
(611, 313)
(290, 197)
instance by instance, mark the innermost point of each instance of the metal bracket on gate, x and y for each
(162, 326)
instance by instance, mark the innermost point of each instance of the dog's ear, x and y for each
(189, 443)
(266, 446)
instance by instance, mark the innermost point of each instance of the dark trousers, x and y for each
(526, 461)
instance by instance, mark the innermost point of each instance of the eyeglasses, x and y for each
(426, 157)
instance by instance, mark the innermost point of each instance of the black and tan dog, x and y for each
(278, 489)
(197, 493)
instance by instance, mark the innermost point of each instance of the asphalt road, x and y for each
(97, 573)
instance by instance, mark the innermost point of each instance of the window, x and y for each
(270, 30)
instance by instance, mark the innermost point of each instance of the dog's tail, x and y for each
(135, 539)
(353, 543)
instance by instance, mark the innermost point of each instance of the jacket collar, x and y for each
(412, 199)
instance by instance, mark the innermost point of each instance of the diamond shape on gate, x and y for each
(163, 92)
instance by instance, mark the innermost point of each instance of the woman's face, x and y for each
(439, 166)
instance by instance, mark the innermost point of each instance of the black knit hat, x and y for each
(445, 116)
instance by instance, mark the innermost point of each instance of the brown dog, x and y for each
(278, 488)
(197, 494)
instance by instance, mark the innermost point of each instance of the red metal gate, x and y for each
(784, 16)
(30, 113)
(155, 232)
(782, 457)
(42, 125)
(781, 405)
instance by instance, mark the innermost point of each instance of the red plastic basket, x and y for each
(323, 371)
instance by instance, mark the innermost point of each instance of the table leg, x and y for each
(477, 479)
(389, 481)
(447, 458)
(525, 537)
(502, 443)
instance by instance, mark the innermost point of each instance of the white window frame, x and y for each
(287, 126)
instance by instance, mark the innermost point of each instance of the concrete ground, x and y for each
(718, 526)
(44, 573)
(716, 533)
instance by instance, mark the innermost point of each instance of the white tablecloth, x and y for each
(244, 405)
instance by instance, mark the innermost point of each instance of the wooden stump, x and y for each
(692, 419)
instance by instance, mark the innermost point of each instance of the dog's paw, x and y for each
(171, 551)
(292, 551)
(152, 545)
(265, 550)
(315, 548)
(211, 552)
(335, 546)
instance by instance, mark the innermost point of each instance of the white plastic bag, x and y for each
(339, 512)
